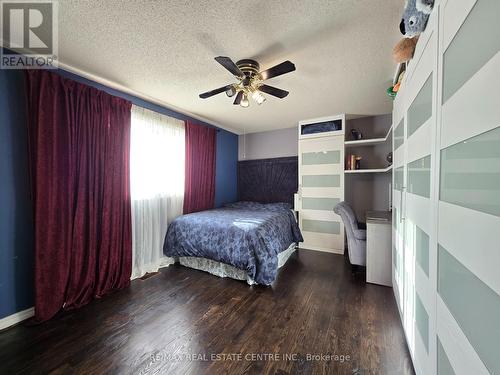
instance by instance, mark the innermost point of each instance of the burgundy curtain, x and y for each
(199, 190)
(79, 148)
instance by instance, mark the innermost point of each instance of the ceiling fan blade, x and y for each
(283, 68)
(208, 94)
(279, 93)
(238, 98)
(227, 63)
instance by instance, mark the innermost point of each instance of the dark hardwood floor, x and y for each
(183, 321)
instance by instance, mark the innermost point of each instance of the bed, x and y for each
(244, 240)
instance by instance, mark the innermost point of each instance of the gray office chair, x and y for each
(356, 238)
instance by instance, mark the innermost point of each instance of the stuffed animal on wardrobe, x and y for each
(415, 17)
(393, 90)
(425, 6)
(403, 51)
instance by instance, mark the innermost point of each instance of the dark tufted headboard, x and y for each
(268, 180)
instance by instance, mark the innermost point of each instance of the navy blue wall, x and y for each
(16, 243)
(226, 168)
(16, 226)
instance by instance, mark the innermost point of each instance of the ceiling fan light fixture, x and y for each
(231, 91)
(244, 101)
(258, 97)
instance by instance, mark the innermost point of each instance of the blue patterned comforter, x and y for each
(246, 235)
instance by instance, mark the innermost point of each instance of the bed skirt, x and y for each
(225, 270)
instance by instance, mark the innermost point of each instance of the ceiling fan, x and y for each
(250, 81)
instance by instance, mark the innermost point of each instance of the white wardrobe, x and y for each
(446, 192)
(321, 183)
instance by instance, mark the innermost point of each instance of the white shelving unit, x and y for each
(365, 142)
(378, 170)
(368, 188)
(368, 142)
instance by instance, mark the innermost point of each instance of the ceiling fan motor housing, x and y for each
(249, 67)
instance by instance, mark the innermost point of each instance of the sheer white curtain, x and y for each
(157, 149)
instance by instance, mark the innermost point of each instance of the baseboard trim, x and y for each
(16, 318)
(323, 250)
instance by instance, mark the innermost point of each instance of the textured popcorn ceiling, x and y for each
(165, 50)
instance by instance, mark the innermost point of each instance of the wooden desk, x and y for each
(379, 248)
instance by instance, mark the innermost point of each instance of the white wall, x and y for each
(271, 144)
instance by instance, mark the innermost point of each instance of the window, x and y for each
(157, 152)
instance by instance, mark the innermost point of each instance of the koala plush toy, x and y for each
(415, 16)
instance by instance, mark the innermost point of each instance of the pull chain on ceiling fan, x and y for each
(250, 81)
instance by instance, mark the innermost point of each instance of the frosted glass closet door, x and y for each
(419, 211)
(321, 180)
(468, 279)
(398, 184)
